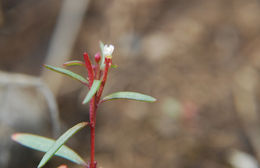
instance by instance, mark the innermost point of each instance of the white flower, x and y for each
(108, 50)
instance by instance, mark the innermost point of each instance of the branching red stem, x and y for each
(94, 73)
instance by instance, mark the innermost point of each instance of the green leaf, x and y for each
(43, 144)
(67, 73)
(114, 66)
(102, 63)
(129, 95)
(73, 63)
(59, 142)
(94, 88)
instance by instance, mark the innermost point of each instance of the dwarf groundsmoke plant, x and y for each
(97, 77)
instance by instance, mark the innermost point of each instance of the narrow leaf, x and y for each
(43, 144)
(94, 88)
(67, 73)
(129, 95)
(73, 63)
(59, 142)
(102, 63)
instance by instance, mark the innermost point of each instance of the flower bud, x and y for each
(97, 57)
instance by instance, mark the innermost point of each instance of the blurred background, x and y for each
(200, 59)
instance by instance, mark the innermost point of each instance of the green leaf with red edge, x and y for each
(67, 73)
(43, 144)
(129, 95)
(94, 88)
(73, 63)
(102, 62)
(59, 142)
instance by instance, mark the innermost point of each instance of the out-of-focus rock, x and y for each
(25, 102)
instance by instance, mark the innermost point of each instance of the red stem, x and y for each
(89, 68)
(92, 154)
(92, 111)
(92, 116)
(97, 72)
(103, 80)
(94, 101)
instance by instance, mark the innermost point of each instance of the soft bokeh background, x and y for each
(199, 58)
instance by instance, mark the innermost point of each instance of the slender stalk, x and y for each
(92, 116)
(92, 139)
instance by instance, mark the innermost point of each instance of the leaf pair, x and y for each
(117, 95)
(50, 146)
